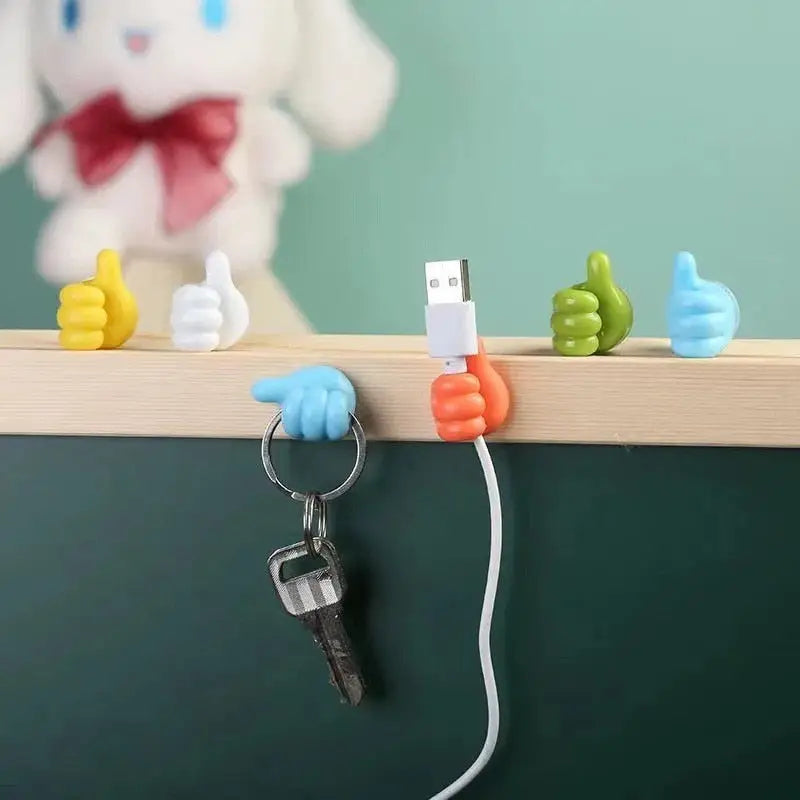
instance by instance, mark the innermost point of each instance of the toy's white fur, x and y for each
(316, 55)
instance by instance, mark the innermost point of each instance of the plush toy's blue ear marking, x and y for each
(214, 13)
(71, 14)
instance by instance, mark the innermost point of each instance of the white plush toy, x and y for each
(170, 140)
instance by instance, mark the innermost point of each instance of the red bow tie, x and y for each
(190, 144)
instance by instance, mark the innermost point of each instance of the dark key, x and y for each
(316, 600)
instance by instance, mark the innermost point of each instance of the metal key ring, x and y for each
(315, 523)
(325, 497)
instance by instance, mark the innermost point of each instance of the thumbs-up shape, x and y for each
(702, 316)
(575, 322)
(594, 316)
(100, 313)
(316, 402)
(470, 404)
(212, 315)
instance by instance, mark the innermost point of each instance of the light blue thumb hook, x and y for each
(316, 402)
(702, 315)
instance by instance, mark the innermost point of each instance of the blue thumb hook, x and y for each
(702, 316)
(316, 402)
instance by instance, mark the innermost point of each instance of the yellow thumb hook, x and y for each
(100, 313)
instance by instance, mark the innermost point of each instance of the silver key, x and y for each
(316, 600)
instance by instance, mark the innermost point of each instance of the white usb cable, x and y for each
(453, 336)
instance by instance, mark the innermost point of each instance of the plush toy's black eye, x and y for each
(214, 13)
(71, 14)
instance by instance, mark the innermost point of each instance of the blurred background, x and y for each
(527, 134)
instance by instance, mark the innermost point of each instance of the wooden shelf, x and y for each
(640, 396)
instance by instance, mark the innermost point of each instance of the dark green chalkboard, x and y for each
(647, 638)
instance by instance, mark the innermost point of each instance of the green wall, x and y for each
(527, 134)
(646, 649)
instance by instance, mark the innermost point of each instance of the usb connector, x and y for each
(450, 314)
(453, 336)
(448, 282)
